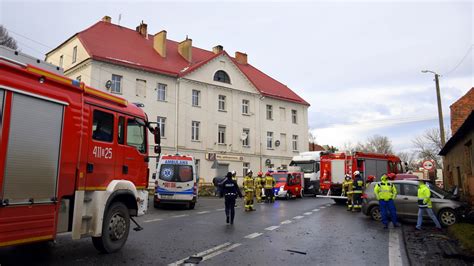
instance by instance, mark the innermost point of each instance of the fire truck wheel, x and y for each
(115, 229)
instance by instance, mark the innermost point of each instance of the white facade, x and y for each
(195, 131)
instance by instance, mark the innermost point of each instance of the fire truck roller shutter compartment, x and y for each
(376, 168)
(35, 136)
(337, 171)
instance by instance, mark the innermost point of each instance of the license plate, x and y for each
(166, 196)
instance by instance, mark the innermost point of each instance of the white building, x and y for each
(229, 115)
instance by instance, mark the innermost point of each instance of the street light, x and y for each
(440, 110)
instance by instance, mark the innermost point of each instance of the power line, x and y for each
(460, 62)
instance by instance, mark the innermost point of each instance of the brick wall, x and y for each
(461, 109)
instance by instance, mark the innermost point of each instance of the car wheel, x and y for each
(375, 213)
(115, 229)
(447, 217)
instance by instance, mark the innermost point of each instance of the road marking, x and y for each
(307, 213)
(322, 207)
(254, 235)
(394, 252)
(298, 217)
(221, 209)
(203, 212)
(271, 228)
(220, 251)
(200, 254)
(286, 222)
(329, 205)
(153, 220)
(316, 210)
(179, 216)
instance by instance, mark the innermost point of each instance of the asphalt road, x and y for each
(309, 231)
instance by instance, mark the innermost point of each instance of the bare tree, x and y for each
(6, 39)
(377, 144)
(410, 158)
(311, 137)
(429, 145)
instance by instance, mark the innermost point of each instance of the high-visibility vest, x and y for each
(385, 191)
(258, 182)
(358, 185)
(424, 197)
(248, 184)
(269, 182)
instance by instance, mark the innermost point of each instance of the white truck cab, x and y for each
(309, 163)
(176, 181)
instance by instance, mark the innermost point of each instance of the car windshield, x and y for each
(176, 173)
(306, 167)
(280, 177)
(438, 190)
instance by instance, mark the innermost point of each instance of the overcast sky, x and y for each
(357, 63)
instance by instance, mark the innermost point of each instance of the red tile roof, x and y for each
(119, 45)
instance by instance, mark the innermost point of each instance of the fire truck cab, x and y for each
(73, 158)
(288, 184)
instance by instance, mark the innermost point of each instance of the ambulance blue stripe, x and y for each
(164, 191)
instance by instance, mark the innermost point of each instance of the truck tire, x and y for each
(115, 229)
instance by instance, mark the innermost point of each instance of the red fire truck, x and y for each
(334, 167)
(72, 158)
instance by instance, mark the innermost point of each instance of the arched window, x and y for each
(221, 76)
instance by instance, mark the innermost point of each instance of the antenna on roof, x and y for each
(120, 18)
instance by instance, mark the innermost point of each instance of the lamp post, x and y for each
(440, 110)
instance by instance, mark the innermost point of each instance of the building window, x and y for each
(162, 124)
(61, 60)
(246, 137)
(269, 140)
(116, 84)
(79, 78)
(161, 92)
(195, 130)
(221, 76)
(141, 88)
(221, 135)
(282, 114)
(74, 54)
(294, 117)
(221, 102)
(245, 168)
(295, 142)
(196, 97)
(269, 112)
(245, 107)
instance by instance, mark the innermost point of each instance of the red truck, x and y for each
(72, 158)
(288, 186)
(334, 167)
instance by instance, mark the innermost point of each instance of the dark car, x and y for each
(445, 205)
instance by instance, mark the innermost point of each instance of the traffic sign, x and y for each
(428, 165)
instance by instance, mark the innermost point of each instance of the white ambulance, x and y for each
(176, 181)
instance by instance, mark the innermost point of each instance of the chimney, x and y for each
(241, 58)
(217, 49)
(185, 49)
(107, 19)
(159, 43)
(142, 29)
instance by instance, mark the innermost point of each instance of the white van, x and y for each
(176, 181)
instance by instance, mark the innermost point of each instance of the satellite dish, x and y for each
(244, 136)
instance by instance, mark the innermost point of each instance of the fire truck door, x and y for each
(100, 169)
(133, 166)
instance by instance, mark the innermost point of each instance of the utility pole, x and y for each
(440, 109)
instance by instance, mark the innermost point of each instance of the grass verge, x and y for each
(465, 234)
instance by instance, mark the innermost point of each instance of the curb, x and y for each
(410, 261)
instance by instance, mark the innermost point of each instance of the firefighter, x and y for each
(258, 187)
(370, 179)
(234, 175)
(269, 185)
(347, 190)
(249, 188)
(358, 186)
(385, 193)
(230, 190)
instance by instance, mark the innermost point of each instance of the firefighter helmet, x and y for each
(260, 174)
(356, 173)
(234, 173)
(370, 178)
(347, 177)
(391, 176)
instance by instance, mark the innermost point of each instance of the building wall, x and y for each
(461, 109)
(66, 51)
(459, 167)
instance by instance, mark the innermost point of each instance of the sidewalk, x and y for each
(430, 247)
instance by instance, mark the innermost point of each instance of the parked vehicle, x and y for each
(176, 181)
(288, 184)
(72, 158)
(309, 164)
(334, 167)
(445, 205)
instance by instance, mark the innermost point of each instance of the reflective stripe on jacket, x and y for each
(347, 187)
(385, 191)
(248, 184)
(258, 182)
(269, 182)
(424, 196)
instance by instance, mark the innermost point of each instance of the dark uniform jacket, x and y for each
(229, 187)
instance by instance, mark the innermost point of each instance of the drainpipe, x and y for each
(177, 115)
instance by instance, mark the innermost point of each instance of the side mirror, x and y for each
(157, 134)
(157, 149)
